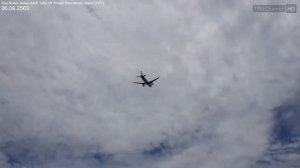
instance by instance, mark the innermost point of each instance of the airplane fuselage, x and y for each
(146, 81)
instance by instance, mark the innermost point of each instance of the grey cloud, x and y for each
(3, 161)
(281, 155)
(68, 81)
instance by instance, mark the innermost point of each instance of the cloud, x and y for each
(66, 78)
(3, 161)
(284, 149)
(281, 155)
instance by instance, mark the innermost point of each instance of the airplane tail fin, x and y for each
(142, 75)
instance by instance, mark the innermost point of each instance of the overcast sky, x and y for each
(67, 99)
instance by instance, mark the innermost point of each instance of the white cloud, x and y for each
(66, 78)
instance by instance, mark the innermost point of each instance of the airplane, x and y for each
(146, 82)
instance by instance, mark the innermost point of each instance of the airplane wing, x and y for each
(153, 80)
(139, 83)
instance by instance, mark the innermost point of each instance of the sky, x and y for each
(227, 96)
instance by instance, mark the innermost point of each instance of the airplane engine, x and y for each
(143, 85)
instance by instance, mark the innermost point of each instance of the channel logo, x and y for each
(287, 8)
